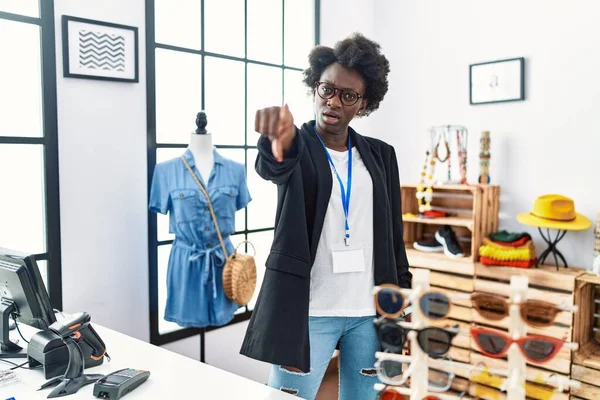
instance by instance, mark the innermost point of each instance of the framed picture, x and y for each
(497, 81)
(99, 50)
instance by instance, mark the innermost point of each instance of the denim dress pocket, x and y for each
(186, 205)
(225, 207)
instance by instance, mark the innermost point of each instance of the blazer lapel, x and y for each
(374, 165)
(323, 180)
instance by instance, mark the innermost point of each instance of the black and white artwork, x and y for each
(99, 50)
(497, 81)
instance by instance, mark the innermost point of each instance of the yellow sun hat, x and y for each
(554, 211)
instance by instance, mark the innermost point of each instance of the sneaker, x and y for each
(446, 236)
(428, 246)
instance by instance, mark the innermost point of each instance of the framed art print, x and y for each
(99, 50)
(497, 81)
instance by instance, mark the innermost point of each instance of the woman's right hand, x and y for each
(277, 124)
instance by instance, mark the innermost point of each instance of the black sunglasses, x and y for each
(327, 91)
(433, 340)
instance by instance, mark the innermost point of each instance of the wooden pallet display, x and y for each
(586, 360)
(545, 283)
(473, 213)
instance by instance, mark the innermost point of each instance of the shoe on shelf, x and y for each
(446, 236)
(428, 246)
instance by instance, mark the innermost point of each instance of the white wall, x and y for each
(545, 144)
(102, 153)
(341, 18)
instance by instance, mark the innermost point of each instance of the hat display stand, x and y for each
(552, 247)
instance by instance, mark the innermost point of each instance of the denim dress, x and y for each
(195, 296)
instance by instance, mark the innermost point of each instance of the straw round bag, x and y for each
(239, 273)
(239, 276)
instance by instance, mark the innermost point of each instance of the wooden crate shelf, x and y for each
(452, 221)
(472, 213)
(586, 360)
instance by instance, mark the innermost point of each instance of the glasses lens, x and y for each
(391, 394)
(392, 370)
(538, 349)
(439, 379)
(349, 98)
(325, 91)
(490, 307)
(435, 305)
(491, 343)
(538, 313)
(392, 337)
(434, 341)
(390, 301)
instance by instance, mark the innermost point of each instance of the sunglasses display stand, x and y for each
(517, 329)
(420, 375)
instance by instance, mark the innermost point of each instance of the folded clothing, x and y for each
(505, 246)
(509, 237)
(507, 263)
(507, 254)
(434, 214)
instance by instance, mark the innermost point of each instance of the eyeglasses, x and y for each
(433, 340)
(536, 313)
(390, 302)
(535, 348)
(327, 91)
(392, 369)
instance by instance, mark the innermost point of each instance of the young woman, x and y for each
(338, 230)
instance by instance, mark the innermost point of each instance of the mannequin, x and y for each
(201, 147)
(195, 295)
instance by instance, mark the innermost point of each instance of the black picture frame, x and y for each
(497, 81)
(105, 51)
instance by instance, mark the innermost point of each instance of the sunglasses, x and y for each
(536, 313)
(433, 340)
(535, 348)
(395, 370)
(390, 302)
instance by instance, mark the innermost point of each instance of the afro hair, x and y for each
(358, 53)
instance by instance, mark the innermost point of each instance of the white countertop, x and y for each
(172, 376)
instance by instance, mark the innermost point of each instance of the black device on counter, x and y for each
(23, 297)
(119, 383)
(72, 331)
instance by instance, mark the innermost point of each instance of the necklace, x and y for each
(425, 194)
(436, 153)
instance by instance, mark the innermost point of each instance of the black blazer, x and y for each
(278, 329)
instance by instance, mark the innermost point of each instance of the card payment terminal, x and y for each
(119, 383)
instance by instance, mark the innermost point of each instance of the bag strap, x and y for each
(212, 211)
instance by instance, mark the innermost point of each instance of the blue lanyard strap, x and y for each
(345, 192)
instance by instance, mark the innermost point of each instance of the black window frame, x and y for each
(49, 141)
(156, 337)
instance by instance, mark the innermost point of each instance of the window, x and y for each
(29, 204)
(228, 58)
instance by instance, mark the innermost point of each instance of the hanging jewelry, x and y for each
(425, 194)
(436, 153)
(461, 142)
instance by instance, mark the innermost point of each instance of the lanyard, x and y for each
(345, 192)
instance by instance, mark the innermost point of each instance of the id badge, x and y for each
(348, 258)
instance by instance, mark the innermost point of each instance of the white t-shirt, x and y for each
(347, 294)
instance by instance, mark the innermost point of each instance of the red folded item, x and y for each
(435, 214)
(513, 263)
(516, 243)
